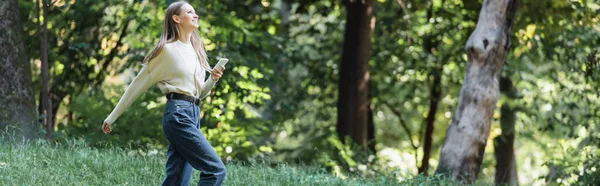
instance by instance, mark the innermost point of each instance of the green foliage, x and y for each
(305, 107)
(576, 166)
(557, 104)
(413, 43)
(139, 127)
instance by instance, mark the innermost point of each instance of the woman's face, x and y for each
(187, 18)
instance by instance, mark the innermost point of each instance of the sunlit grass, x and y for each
(74, 163)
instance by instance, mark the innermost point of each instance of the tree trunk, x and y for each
(18, 115)
(353, 103)
(436, 92)
(506, 169)
(487, 48)
(430, 43)
(45, 101)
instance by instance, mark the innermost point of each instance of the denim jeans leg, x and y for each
(190, 143)
(178, 170)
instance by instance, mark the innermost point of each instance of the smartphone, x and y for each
(221, 63)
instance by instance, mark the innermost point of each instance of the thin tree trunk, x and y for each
(45, 100)
(353, 103)
(436, 92)
(506, 172)
(487, 48)
(18, 114)
(429, 44)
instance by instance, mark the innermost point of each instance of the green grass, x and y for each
(73, 163)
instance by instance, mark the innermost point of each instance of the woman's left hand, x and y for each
(216, 73)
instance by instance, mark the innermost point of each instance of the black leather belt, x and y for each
(191, 99)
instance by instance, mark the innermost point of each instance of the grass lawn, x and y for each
(41, 163)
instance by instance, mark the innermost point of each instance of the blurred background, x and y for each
(278, 98)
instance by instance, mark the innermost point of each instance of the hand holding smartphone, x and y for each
(217, 70)
(221, 63)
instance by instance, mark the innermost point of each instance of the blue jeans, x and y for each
(188, 148)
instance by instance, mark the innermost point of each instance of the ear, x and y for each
(175, 18)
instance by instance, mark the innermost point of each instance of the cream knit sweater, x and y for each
(175, 69)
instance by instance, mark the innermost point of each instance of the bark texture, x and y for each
(353, 101)
(487, 48)
(17, 103)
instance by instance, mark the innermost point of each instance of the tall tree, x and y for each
(17, 112)
(506, 165)
(45, 100)
(353, 102)
(434, 98)
(430, 43)
(487, 48)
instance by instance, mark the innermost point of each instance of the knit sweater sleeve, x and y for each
(206, 87)
(140, 84)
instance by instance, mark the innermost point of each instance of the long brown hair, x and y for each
(170, 33)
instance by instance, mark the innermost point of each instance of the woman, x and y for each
(177, 66)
